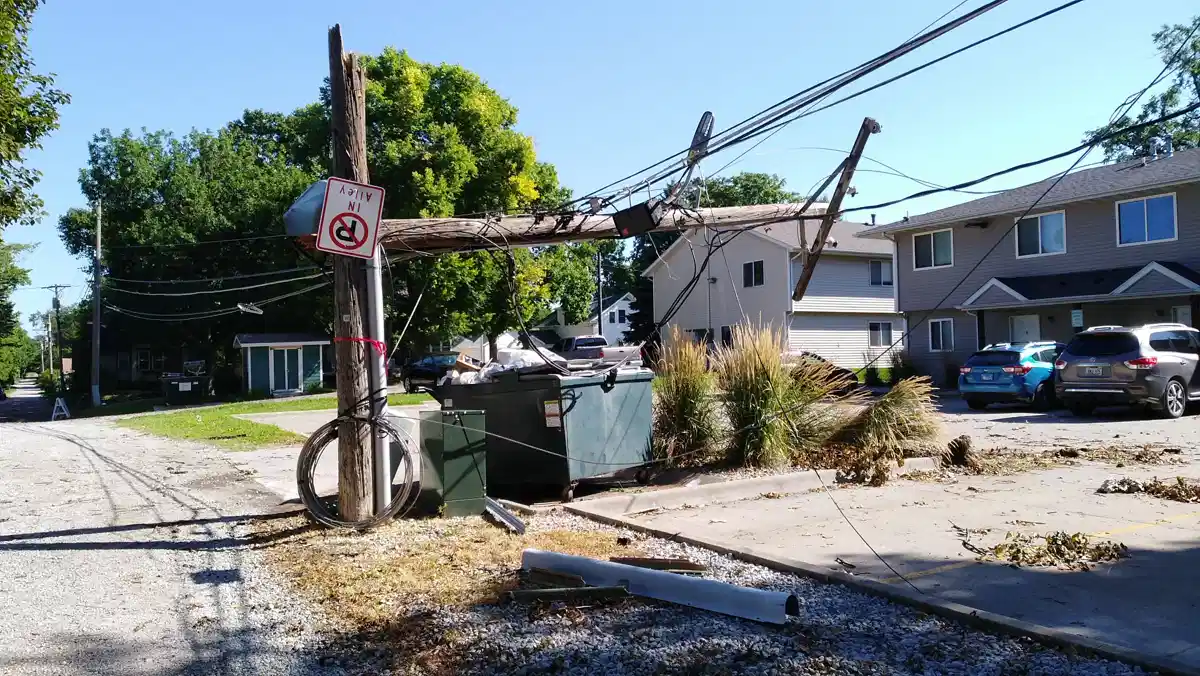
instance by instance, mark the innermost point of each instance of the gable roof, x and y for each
(260, 339)
(1182, 166)
(1060, 287)
(843, 239)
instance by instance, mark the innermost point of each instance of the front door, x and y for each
(1182, 314)
(286, 369)
(1024, 328)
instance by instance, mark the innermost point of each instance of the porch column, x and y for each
(980, 333)
(1195, 302)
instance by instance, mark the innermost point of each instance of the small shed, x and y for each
(281, 363)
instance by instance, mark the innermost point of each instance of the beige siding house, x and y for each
(847, 315)
(1117, 244)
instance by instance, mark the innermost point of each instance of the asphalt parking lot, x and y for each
(1014, 426)
(1148, 601)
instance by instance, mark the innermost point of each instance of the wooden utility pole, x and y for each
(96, 314)
(347, 85)
(868, 127)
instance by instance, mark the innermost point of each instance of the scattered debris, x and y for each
(518, 507)
(696, 592)
(540, 577)
(959, 453)
(1069, 551)
(1181, 490)
(845, 564)
(966, 533)
(1067, 453)
(771, 495)
(1121, 485)
(504, 517)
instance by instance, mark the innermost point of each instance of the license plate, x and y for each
(987, 376)
(1093, 371)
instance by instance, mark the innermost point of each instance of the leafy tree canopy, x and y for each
(1179, 46)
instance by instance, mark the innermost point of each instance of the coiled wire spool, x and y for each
(311, 453)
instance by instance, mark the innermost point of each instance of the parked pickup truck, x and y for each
(592, 348)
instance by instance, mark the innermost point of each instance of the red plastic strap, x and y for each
(379, 346)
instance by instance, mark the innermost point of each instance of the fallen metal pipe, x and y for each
(719, 597)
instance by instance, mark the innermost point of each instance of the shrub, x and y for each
(47, 381)
(815, 407)
(878, 434)
(757, 386)
(685, 413)
(902, 367)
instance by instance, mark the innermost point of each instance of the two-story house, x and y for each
(848, 314)
(1116, 244)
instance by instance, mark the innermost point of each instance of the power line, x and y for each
(212, 279)
(210, 291)
(209, 314)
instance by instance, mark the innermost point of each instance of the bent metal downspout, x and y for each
(685, 590)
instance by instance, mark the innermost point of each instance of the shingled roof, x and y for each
(1111, 179)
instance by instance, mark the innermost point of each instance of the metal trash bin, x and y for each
(185, 389)
(548, 431)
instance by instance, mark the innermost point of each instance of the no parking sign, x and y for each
(350, 215)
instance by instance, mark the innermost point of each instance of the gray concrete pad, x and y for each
(1148, 601)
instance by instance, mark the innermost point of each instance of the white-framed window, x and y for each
(879, 334)
(752, 274)
(1042, 235)
(1146, 219)
(621, 316)
(933, 250)
(941, 335)
(880, 272)
(141, 359)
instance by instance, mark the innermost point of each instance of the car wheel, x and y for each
(1080, 409)
(976, 404)
(1174, 400)
(1043, 397)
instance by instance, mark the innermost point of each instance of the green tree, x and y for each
(1178, 46)
(743, 189)
(29, 106)
(18, 355)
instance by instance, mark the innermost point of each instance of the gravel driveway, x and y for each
(124, 554)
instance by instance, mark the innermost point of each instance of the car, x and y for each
(426, 370)
(1152, 365)
(1010, 372)
(843, 374)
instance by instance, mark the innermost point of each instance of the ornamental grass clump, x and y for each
(686, 421)
(756, 388)
(876, 436)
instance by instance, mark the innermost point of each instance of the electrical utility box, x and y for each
(453, 463)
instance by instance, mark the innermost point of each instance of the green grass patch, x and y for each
(127, 407)
(216, 424)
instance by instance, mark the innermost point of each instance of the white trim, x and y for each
(994, 283)
(321, 366)
(1174, 218)
(752, 285)
(932, 250)
(1070, 300)
(249, 370)
(931, 322)
(883, 343)
(882, 261)
(1154, 266)
(271, 369)
(284, 345)
(1017, 235)
(895, 273)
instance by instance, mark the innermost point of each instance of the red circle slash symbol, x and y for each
(348, 230)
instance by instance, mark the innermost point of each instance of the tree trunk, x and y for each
(492, 339)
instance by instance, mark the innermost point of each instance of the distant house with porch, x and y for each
(613, 321)
(1117, 244)
(280, 364)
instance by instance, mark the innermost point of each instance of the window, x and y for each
(612, 317)
(1048, 356)
(700, 335)
(160, 361)
(881, 273)
(621, 316)
(933, 250)
(941, 335)
(1151, 219)
(752, 274)
(1042, 235)
(1103, 344)
(993, 358)
(726, 336)
(879, 334)
(141, 359)
(1171, 341)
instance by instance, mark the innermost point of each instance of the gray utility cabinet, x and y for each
(550, 431)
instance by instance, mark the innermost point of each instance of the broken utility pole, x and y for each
(348, 127)
(813, 255)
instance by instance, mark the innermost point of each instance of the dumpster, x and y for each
(185, 389)
(549, 432)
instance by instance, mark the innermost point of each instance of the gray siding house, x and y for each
(1117, 244)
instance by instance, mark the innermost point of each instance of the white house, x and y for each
(848, 314)
(615, 318)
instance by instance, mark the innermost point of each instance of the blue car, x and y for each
(1008, 372)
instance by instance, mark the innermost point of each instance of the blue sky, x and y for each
(606, 88)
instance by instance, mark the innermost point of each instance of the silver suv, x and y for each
(1152, 365)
